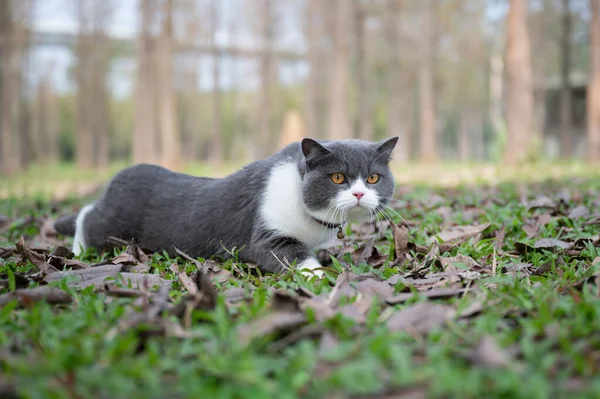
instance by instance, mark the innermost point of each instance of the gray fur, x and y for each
(201, 216)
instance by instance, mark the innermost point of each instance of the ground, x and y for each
(464, 291)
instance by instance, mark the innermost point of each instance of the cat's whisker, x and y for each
(324, 228)
(387, 208)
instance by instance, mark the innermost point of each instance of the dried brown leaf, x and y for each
(488, 354)
(542, 202)
(499, 238)
(579, 212)
(400, 242)
(369, 254)
(35, 258)
(421, 317)
(551, 244)
(459, 262)
(209, 267)
(184, 279)
(279, 322)
(376, 288)
(29, 296)
(460, 234)
(437, 293)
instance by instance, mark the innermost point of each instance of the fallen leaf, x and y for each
(487, 353)
(327, 343)
(579, 212)
(460, 234)
(45, 293)
(369, 254)
(499, 238)
(184, 279)
(435, 293)
(421, 317)
(400, 242)
(278, 322)
(209, 267)
(458, 262)
(542, 202)
(35, 258)
(376, 288)
(551, 243)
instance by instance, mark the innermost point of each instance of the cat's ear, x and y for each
(386, 147)
(312, 148)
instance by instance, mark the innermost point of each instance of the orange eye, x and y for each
(374, 178)
(338, 178)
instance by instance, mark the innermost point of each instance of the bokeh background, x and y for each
(95, 83)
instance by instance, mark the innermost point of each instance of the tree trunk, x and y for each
(99, 111)
(217, 121)
(9, 67)
(519, 87)
(364, 117)
(314, 59)
(464, 139)
(339, 118)
(566, 123)
(45, 123)
(263, 145)
(394, 89)
(169, 133)
(144, 124)
(593, 97)
(426, 88)
(22, 78)
(84, 151)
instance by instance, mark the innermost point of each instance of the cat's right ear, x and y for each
(311, 148)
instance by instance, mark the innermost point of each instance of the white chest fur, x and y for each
(283, 210)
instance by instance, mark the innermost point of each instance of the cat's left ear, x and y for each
(386, 147)
(312, 148)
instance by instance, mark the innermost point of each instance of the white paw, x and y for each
(309, 266)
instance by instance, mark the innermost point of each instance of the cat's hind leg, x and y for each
(79, 243)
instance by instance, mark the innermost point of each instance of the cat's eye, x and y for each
(338, 178)
(374, 178)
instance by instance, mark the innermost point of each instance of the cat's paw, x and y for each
(308, 268)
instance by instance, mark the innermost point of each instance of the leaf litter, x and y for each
(414, 283)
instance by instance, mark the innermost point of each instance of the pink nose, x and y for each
(358, 195)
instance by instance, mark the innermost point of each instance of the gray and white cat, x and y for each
(274, 210)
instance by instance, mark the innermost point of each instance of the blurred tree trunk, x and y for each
(263, 145)
(394, 90)
(339, 118)
(313, 91)
(217, 117)
(464, 139)
(22, 14)
(519, 87)
(84, 143)
(9, 73)
(144, 123)
(364, 118)
(566, 122)
(593, 91)
(426, 88)
(100, 68)
(45, 122)
(167, 110)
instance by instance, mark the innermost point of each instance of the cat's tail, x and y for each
(66, 224)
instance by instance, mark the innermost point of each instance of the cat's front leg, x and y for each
(308, 266)
(276, 253)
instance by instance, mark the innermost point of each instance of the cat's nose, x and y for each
(358, 195)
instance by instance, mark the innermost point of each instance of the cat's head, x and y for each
(346, 177)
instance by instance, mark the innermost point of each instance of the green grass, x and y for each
(547, 324)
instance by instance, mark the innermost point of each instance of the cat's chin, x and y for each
(360, 214)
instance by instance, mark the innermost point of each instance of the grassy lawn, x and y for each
(475, 291)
